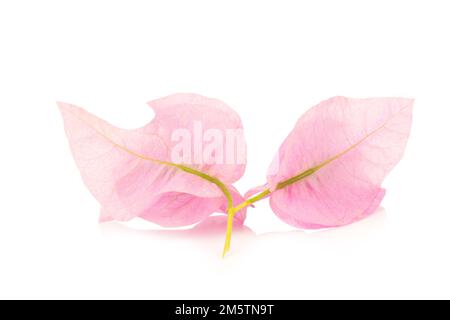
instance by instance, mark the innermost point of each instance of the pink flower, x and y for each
(179, 169)
(131, 172)
(330, 168)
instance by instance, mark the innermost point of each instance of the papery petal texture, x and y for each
(351, 145)
(132, 172)
(256, 190)
(214, 119)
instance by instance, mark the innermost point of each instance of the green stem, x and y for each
(280, 185)
(211, 179)
(232, 211)
(252, 200)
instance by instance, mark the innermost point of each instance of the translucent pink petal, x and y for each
(358, 142)
(123, 169)
(194, 112)
(256, 190)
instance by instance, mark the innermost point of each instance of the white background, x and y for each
(270, 61)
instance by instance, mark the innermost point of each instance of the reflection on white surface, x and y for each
(383, 256)
(209, 234)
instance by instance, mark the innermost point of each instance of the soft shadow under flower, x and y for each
(210, 232)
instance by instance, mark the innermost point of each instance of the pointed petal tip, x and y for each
(410, 101)
(173, 99)
(406, 103)
(104, 216)
(62, 105)
(152, 104)
(65, 107)
(104, 219)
